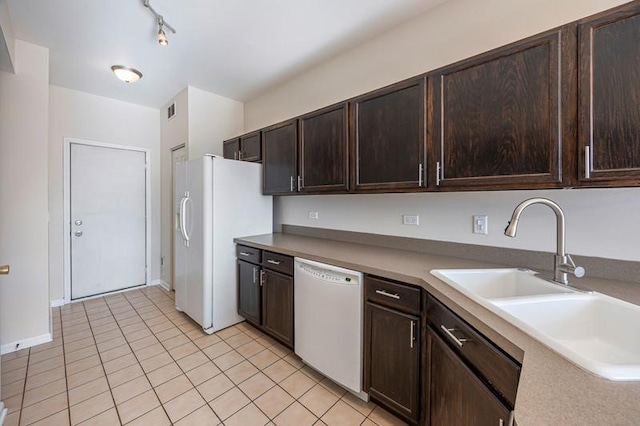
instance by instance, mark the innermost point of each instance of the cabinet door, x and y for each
(277, 306)
(249, 292)
(388, 138)
(323, 150)
(392, 372)
(609, 132)
(279, 158)
(500, 119)
(456, 396)
(251, 147)
(231, 149)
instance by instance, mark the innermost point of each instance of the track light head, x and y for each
(162, 37)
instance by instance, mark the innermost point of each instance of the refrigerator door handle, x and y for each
(183, 219)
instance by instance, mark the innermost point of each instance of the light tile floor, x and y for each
(132, 359)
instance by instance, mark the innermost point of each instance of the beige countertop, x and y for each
(552, 390)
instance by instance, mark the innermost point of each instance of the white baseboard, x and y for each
(3, 413)
(162, 284)
(57, 302)
(26, 343)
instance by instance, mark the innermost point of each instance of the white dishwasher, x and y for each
(328, 321)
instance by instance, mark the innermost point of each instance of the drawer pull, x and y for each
(386, 293)
(244, 253)
(273, 262)
(449, 332)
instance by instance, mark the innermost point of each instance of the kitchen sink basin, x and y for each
(499, 283)
(594, 331)
(597, 332)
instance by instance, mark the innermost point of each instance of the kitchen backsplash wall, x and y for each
(600, 222)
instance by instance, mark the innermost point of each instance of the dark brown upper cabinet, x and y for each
(246, 147)
(504, 119)
(280, 158)
(609, 103)
(231, 149)
(388, 139)
(324, 160)
(251, 147)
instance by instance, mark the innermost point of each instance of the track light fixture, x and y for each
(162, 37)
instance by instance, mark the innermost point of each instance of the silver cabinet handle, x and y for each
(587, 162)
(273, 262)
(299, 183)
(254, 274)
(509, 421)
(420, 175)
(235, 155)
(438, 169)
(244, 253)
(391, 295)
(449, 332)
(239, 155)
(263, 279)
(78, 233)
(291, 184)
(413, 336)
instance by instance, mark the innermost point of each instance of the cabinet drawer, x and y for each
(248, 254)
(278, 262)
(394, 295)
(498, 369)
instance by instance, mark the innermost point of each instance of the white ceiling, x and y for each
(235, 48)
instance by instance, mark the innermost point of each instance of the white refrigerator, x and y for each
(217, 200)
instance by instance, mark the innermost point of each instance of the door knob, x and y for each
(78, 222)
(4, 270)
(78, 233)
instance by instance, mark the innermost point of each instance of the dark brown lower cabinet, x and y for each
(393, 353)
(249, 292)
(277, 305)
(457, 397)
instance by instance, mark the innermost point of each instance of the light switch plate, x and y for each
(480, 224)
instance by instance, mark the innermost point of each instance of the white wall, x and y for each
(212, 119)
(173, 133)
(96, 118)
(600, 222)
(24, 109)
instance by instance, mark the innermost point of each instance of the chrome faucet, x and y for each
(564, 265)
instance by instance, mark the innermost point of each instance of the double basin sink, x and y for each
(594, 331)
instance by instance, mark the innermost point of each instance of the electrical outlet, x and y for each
(410, 219)
(480, 224)
(313, 215)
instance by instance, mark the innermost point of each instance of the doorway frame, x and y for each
(68, 141)
(172, 240)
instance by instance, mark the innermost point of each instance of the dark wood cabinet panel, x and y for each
(392, 353)
(277, 306)
(231, 149)
(388, 138)
(324, 150)
(500, 119)
(280, 158)
(249, 292)
(251, 147)
(456, 396)
(609, 58)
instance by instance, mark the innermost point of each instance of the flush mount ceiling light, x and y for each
(162, 37)
(126, 74)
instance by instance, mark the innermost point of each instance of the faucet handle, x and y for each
(569, 266)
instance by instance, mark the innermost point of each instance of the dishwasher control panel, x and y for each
(326, 275)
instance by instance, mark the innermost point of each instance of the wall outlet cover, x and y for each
(410, 219)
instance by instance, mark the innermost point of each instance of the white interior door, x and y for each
(178, 156)
(108, 219)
